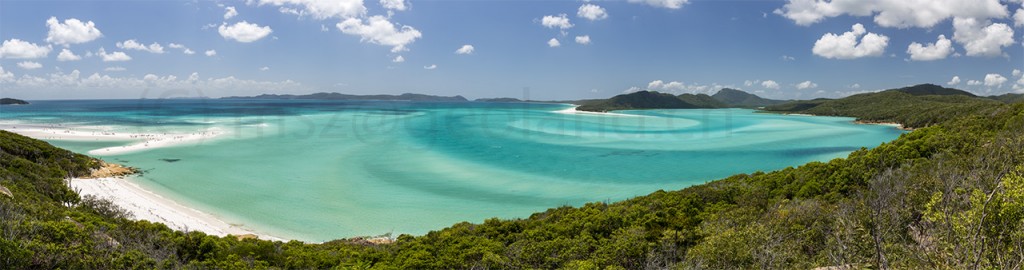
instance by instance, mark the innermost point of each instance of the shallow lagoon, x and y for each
(321, 170)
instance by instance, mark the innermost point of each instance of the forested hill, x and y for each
(651, 100)
(946, 196)
(914, 107)
(12, 101)
(737, 98)
(339, 96)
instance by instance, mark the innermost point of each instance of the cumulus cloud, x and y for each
(808, 85)
(892, 13)
(71, 31)
(585, 40)
(131, 44)
(846, 46)
(994, 80)
(378, 30)
(432, 66)
(1016, 73)
(113, 57)
(398, 59)
(1018, 17)
(770, 84)
(184, 50)
(67, 55)
(465, 49)
(954, 81)
(393, 4)
(244, 31)
(933, 51)
(211, 52)
(553, 42)
(230, 12)
(19, 49)
(981, 40)
(677, 87)
(592, 12)
(670, 4)
(115, 69)
(5, 76)
(75, 80)
(265, 68)
(561, 21)
(320, 9)
(787, 58)
(973, 82)
(29, 65)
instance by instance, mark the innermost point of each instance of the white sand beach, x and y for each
(135, 141)
(146, 205)
(573, 110)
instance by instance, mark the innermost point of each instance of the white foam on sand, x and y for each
(573, 110)
(146, 205)
(142, 141)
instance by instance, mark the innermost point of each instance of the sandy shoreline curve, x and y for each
(146, 205)
(135, 142)
(573, 110)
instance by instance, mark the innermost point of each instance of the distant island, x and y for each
(725, 98)
(12, 101)
(339, 96)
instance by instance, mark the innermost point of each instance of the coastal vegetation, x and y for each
(948, 195)
(740, 99)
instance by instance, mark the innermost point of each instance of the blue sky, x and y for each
(778, 49)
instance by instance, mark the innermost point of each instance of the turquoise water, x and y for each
(321, 170)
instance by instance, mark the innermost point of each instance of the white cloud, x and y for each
(554, 43)
(393, 4)
(994, 80)
(183, 49)
(770, 84)
(592, 12)
(72, 31)
(19, 49)
(941, 49)
(1016, 73)
(807, 85)
(265, 68)
(6, 76)
(585, 40)
(973, 82)
(131, 44)
(211, 52)
(67, 55)
(378, 30)
(230, 12)
(892, 13)
(113, 57)
(76, 81)
(465, 49)
(670, 4)
(855, 86)
(561, 21)
(398, 59)
(432, 66)
(787, 58)
(321, 9)
(677, 87)
(846, 46)
(29, 65)
(115, 69)
(1018, 17)
(244, 31)
(982, 41)
(954, 81)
